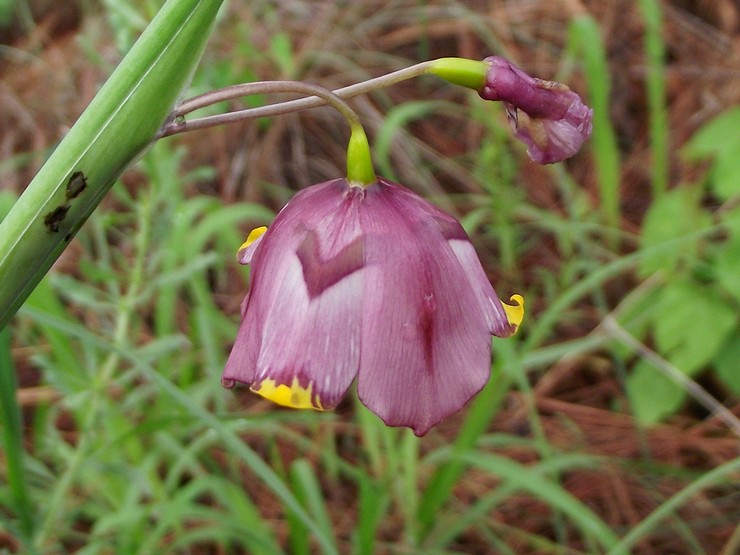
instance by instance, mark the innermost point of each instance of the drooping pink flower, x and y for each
(369, 282)
(546, 115)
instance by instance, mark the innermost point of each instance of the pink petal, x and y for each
(302, 319)
(425, 341)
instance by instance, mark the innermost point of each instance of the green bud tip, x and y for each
(359, 162)
(461, 71)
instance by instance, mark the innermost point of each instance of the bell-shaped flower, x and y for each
(370, 282)
(547, 116)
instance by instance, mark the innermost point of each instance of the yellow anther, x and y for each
(515, 313)
(293, 395)
(255, 234)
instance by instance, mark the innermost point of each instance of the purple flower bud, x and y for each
(374, 283)
(546, 115)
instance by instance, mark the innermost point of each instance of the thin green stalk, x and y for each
(409, 484)
(482, 410)
(655, 84)
(10, 421)
(58, 496)
(586, 38)
(459, 71)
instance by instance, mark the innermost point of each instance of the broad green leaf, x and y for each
(692, 324)
(120, 123)
(727, 363)
(727, 266)
(676, 213)
(719, 139)
(652, 394)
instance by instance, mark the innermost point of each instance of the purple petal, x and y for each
(375, 280)
(547, 116)
(300, 333)
(425, 340)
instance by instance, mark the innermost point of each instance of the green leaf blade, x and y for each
(120, 123)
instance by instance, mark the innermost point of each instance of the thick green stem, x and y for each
(120, 123)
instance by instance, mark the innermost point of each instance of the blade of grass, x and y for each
(118, 125)
(669, 507)
(446, 532)
(408, 484)
(655, 84)
(307, 488)
(525, 479)
(231, 440)
(373, 504)
(482, 410)
(585, 37)
(10, 420)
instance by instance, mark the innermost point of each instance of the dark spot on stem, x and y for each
(56, 217)
(76, 185)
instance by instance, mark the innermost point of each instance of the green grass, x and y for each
(136, 448)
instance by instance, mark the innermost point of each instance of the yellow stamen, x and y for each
(515, 314)
(294, 395)
(255, 234)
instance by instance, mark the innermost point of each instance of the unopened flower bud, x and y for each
(547, 116)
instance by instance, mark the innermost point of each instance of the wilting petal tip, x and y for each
(515, 313)
(558, 121)
(244, 254)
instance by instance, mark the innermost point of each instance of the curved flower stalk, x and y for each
(547, 116)
(372, 282)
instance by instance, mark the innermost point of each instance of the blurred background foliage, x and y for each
(610, 424)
